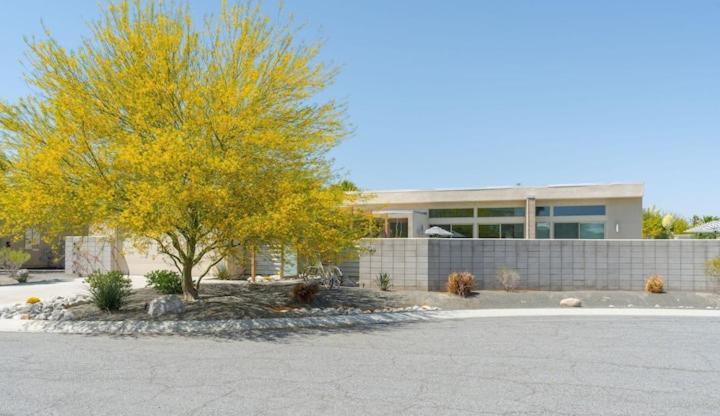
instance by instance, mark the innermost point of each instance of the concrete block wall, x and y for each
(406, 260)
(543, 264)
(86, 254)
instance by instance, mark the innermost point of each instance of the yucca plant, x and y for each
(383, 282)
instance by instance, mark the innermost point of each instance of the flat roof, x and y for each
(504, 193)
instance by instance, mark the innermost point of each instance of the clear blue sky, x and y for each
(485, 93)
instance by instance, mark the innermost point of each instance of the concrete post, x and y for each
(530, 218)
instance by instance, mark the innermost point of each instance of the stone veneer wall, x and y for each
(542, 264)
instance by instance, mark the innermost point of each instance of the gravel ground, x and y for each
(242, 301)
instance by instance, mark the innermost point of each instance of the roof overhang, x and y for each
(510, 193)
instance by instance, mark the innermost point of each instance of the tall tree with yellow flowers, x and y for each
(192, 136)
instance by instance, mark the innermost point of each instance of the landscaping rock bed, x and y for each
(54, 309)
(220, 301)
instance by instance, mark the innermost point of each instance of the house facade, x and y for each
(586, 211)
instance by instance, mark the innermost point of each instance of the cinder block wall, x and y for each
(406, 260)
(86, 254)
(542, 264)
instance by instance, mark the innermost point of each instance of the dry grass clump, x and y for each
(508, 278)
(655, 284)
(305, 292)
(460, 283)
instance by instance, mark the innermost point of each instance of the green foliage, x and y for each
(712, 267)
(164, 281)
(12, 260)
(22, 276)
(109, 291)
(383, 281)
(661, 225)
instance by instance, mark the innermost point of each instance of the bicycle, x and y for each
(329, 276)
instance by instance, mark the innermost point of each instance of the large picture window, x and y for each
(451, 213)
(501, 230)
(488, 230)
(458, 230)
(501, 212)
(542, 230)
(512, 231)
(592, 231)
(565, 230)
(578, 210)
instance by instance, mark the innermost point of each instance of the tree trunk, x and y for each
(190, 292)
(282, 262)
(253, 264)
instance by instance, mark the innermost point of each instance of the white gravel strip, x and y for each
(239, 325)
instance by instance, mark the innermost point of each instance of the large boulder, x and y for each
(165, 304)
(571, 302)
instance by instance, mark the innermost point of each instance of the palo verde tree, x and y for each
(190, 136)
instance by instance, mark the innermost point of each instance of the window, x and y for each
(396, 228)
(566, 230)
(501, 212)
(542, 230)
(488, 231)
(592, 231)
(501, 230)
(542, 211)
(512, 231)
(451, 213)
(573, 210)
(458, 230)
(582, 230)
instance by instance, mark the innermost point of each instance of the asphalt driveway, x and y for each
(498, 366)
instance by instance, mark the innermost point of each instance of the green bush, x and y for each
(164, 281)
(12, 260)
(22, 276)
(383, 281)
(109, 291)
(712, 267)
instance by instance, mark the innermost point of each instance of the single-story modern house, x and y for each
(593, 211)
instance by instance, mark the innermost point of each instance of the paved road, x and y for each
(493, 366)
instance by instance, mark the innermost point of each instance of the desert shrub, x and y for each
(655, 284)
(383, 281)
(109, 291)
(712, 267)
(508, 278)
(305, 292)
(22, 276)
(32, 300)
(222, 272)
(12, 260)
(164, 281)
(460, 283)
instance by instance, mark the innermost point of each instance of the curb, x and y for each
(240, 325)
